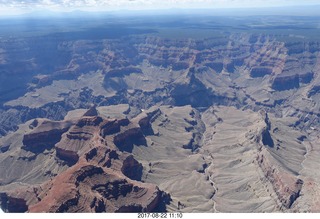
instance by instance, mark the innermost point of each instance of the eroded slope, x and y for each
(78, 165)
(230, 119)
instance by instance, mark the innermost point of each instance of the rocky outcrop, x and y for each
(146, 126)
(145, 121)
(286, 186)
(291, 81)
(91, 112)
(132, 168)
(260, 72)
(88, 188)
(45, 136)
(89, 121)
(112, 127)
(97, 176)
(75, 140)
(37, 142)
(69, 156)
(126, 139)
(282, 83)
(266, 138)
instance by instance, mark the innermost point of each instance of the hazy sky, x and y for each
(21, 6)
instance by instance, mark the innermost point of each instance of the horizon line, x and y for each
(52, 12)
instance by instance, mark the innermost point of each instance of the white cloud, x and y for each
(18, 5)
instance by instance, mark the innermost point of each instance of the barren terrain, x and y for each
(207, 115)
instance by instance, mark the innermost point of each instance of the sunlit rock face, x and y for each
(86, 171)
(168, 113)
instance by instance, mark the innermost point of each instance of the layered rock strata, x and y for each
(93, 171)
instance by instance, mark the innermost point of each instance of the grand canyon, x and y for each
(160, 113)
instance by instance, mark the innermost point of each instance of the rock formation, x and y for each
(193, 121)
(97, 176)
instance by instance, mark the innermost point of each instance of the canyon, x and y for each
(142, 119)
